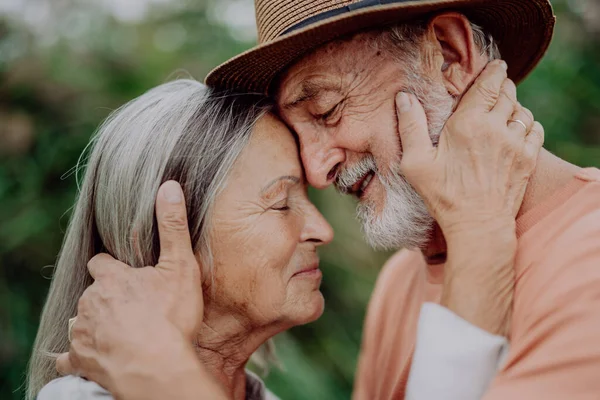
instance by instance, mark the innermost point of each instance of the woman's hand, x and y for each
(135, 326)
(473, 184)
(481, 167)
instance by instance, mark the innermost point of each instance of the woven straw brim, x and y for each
(522, 28)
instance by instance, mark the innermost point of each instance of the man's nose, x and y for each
(321, 163)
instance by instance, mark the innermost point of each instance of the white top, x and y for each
(453, 360)
(75, 388)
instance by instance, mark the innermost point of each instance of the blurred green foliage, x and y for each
(62, 70)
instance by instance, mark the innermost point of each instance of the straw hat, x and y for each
(289, 29)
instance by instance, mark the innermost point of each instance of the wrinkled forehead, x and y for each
(327, 66)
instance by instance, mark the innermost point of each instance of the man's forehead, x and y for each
(323, 68)
(306, 78)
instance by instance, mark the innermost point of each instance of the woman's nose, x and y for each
(316, 228)
(321, 162)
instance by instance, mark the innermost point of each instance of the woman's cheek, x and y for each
(284, 240)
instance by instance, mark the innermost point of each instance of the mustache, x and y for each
(349, 175)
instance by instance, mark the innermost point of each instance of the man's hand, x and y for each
(134, 329)
(473, 184)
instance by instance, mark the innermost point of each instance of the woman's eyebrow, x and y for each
(291, 178)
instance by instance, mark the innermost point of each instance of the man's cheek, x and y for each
(351, 134)
(386, 143)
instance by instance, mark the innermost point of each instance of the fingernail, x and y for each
(504, 65)
(403, 102)
(172, 192)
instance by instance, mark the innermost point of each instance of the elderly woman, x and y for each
(253, 231)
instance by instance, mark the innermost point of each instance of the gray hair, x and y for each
(180, 131)
(407, 36)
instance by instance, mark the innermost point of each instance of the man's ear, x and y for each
(462, 58)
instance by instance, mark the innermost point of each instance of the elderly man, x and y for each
(339, 100)
(335, 68)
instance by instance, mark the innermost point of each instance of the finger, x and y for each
(101, 264)
(530, 118)
(485, 91)
(64, 366)
(507, 101)
(534, 141)
(412, 125)
(520, 122)
(174, 235)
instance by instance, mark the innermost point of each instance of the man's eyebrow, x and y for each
(310, 90)
(291, 178)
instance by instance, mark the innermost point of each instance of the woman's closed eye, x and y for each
(277, 193)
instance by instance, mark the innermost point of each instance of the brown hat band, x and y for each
(339, 11)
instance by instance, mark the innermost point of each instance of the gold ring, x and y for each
(519, 122)
(71, 323)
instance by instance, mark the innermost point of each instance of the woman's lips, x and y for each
(309, 272)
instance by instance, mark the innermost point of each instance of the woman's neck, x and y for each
(224, 346)
(228, 369)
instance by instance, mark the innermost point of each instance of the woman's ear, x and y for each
(462, 59)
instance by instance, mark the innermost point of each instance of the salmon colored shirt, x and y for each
(555, 333)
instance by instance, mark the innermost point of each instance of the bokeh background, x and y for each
(65, 64)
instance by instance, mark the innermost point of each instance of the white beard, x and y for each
(405, 220)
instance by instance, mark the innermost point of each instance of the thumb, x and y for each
(174, 235)
(412, 125)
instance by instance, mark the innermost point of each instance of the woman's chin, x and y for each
(312, 309)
